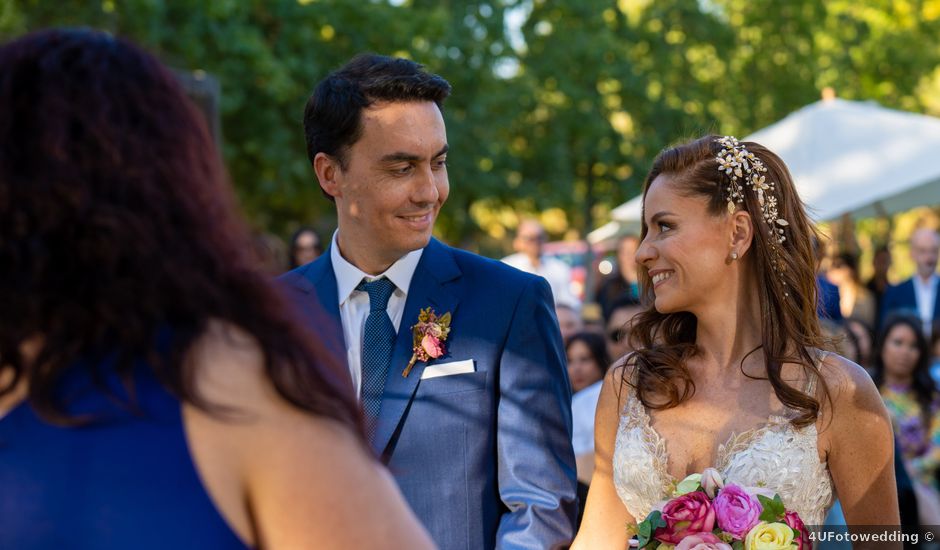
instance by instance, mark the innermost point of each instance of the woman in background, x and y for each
(152, 392)
(902, 373)
(587, 364)
(855, 300)
(304, 247)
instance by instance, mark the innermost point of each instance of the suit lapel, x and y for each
(936, 304)
(318, 280)
(428, 288)
(910, 292)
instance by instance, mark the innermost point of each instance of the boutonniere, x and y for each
(429, 336)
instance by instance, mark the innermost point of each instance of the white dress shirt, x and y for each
(925, 293)
(583, 407)
(354, 304)
(555, 271)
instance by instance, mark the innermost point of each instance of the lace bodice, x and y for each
(776, 456)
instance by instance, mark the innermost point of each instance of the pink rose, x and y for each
(432, 346)
(792, 519)
(737, 511)
(702, 541)
(690, 513)
(760, 491)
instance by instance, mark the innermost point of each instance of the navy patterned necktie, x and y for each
(378, 339)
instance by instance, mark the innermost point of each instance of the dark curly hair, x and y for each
(117, 223)
(787, 295)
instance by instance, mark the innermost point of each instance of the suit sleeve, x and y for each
(536, 467)
(887, 306)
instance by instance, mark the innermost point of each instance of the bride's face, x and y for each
(685, 250)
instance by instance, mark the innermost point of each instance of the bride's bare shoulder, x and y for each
(851, 390)
(624, 368)
(846, 379)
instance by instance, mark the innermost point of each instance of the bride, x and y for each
(728, 372)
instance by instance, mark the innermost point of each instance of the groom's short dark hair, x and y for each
(333, 116)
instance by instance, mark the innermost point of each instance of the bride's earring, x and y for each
(734, 255)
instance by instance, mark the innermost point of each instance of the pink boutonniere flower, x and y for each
(429, 335)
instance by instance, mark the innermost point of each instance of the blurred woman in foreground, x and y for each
(154, 395)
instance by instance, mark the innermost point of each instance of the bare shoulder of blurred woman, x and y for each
(157, 392)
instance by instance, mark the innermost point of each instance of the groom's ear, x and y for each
(328, 169)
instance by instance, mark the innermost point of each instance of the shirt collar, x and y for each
(349, 276)
(928, 284)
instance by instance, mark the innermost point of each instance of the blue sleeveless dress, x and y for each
(125, 481)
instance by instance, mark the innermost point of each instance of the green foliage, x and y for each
(773, 509)
(565, 112)
(647, 528)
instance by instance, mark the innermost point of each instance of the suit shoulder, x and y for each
(288, 276)
(304, 277)
(893, 289)
(899, 294)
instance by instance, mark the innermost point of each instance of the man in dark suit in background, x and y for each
(918, 295)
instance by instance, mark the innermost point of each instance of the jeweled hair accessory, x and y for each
(737, 162)
(745, 169)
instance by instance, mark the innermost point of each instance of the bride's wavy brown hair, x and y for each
(788, 296)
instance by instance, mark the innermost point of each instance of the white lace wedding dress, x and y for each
(776, 456)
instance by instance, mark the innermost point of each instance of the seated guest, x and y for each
(587, 364)
(618, 335)
(529, 257)
(855, 300)
(569, 320)
(304, 247)
(901, 366)
(153, 391)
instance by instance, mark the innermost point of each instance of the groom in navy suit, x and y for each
(478, 437)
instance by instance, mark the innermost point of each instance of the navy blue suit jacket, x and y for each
(483, 458)
(903, 299)
(828, 306)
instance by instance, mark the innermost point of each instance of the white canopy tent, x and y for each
(846, 157)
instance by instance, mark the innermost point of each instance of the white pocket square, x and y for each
(447, 369)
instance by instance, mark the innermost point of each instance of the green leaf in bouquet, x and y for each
(656, 517)
(647, 527)
(773, 509)
(737, 545)
(643, 533)
(691, 483)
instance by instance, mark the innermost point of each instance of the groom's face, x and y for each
(394, 183)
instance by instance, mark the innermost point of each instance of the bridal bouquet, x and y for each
(706, 514)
